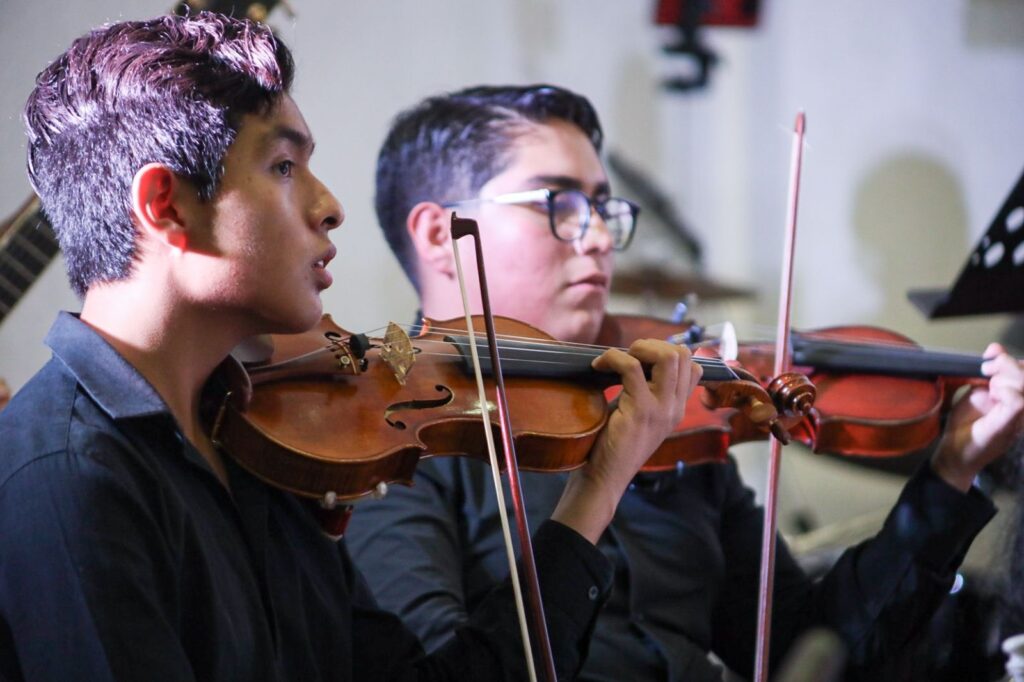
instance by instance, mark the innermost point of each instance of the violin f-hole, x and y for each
(417, 404)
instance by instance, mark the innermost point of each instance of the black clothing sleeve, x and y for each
(879, 595)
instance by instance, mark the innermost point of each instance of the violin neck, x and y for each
(910, 361)
(554, 361)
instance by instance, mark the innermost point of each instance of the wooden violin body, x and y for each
(332, 415)
(327, 428)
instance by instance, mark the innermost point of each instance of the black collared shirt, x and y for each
(123, 557)
(686, 548)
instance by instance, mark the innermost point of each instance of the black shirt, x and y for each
(123, 557)
(686, 548)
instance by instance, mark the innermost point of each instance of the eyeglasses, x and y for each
(569, 212)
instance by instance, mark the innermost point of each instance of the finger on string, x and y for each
(992, 350)
(628, 367)
(664, 360)
(1001, 424)
(1007, 384)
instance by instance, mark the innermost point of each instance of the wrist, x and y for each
(953, 473)
(587, 506)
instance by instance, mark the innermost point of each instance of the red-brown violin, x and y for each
(879, 394)
(332, 415)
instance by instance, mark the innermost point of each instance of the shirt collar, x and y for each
(116, 386)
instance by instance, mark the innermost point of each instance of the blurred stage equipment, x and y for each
(992, 281)
(654, 200)
(651, 280)
(687, 16)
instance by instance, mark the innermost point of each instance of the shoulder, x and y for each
(37, 421)
(54, 434)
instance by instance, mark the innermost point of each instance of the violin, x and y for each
(336, 416)
(878, 394)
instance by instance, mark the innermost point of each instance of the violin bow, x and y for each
(462, 227)
(782, 361)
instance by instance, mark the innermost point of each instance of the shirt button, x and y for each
(593, 593)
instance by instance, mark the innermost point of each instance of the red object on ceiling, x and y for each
(716, 13)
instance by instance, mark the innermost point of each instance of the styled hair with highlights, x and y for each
(171, 90)
(447, 147)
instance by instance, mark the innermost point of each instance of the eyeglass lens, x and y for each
(570, 216)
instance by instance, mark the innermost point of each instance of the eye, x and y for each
(284, 168)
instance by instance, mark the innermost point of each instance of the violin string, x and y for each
(556, 349)
(702, 361)
(848, 341)
(541, 352)
(565, 347)
(528, 339)
(537, 351)
(511, 337)
(762, 332)
(298, 359)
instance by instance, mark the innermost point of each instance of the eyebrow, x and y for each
(294, 136)
(567, 182)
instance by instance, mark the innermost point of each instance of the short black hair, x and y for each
(447, 147)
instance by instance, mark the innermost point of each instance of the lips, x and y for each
(596, 279)
(326, 258)
(320, 267)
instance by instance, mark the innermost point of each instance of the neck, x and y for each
(444, 302)
(173, 345)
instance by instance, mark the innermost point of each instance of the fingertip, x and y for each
(600, 363)
(993, 350)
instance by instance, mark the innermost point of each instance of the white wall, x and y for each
(914, 116)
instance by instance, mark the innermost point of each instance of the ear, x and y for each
(155, 189)
(429, 227)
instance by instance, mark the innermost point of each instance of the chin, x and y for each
(580, 326)
(295, 320)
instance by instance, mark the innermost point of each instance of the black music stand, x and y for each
(992, 281)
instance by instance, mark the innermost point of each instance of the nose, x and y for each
(327, 212)
(597, 238)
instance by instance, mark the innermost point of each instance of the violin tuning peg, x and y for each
(780, 432)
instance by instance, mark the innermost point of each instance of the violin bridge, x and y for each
(397, 352)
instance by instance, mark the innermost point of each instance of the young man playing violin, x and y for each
(175, 168)
(525, 162)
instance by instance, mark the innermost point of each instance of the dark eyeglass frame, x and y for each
(548, 197)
